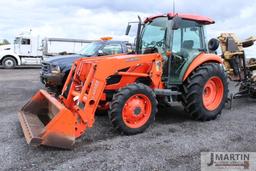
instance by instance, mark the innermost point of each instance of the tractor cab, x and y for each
(181, 35)
(178, 38)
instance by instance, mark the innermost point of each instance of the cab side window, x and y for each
(192, 37)
(112, 49)
(25, 41)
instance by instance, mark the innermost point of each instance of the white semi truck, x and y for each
(31, 50)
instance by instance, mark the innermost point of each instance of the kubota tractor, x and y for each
(172, 62)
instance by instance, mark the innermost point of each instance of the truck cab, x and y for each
(25, 50)
(28, 48)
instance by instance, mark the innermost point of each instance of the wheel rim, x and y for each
(136, 111)
(9, 63)
(213, 93)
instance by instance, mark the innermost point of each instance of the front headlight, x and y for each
(55, 69)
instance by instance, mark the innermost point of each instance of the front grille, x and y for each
(46, 67)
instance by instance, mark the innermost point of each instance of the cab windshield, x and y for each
(91, 49)
(17, 40)
(153, 35)
(188, 37)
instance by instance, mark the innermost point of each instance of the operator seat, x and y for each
(186, 48)
(188, 44)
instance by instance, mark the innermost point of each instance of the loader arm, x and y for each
(58, 122)
(93, 74)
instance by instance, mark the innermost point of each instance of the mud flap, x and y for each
(45, 121)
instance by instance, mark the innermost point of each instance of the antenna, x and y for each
(173, 5)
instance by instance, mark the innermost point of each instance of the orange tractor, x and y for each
(172, 63)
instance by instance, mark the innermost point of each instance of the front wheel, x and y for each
(133, 109)
(9, 63)
(205, 92)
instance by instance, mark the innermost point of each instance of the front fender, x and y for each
(199, 60)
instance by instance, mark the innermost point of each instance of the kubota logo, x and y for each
(94, 90)
(132, 59)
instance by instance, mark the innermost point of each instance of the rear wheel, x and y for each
(133, 109)
(206, 92)
(9, 63)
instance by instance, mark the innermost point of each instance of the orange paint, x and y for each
(213, 93)
(201, 59)
(68, 117)
(136, 111)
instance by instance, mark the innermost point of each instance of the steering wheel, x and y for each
(182, 54)
(153, 44)
(177, 56)
(160, 43)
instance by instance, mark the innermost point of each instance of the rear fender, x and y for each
(201, 59)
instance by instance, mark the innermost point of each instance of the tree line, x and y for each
(4, 42)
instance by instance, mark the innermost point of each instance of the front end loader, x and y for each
(172, 63)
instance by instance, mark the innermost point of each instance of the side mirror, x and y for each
(176, 23)
(213, 44)
(100, 53)
(128, 30)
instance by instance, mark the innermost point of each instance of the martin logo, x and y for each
(213, 161)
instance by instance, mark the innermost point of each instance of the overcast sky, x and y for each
(87, 19)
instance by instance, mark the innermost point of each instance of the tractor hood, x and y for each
(128, 58)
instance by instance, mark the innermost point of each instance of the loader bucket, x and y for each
(46, 121)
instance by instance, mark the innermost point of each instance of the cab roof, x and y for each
(198, 18)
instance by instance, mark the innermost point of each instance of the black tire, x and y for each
(119, 101)
(101, 112)
(9, 63)
(194, 91)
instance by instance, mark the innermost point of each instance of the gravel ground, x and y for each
(173, 142)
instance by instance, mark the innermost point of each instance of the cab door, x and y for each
(25, 47)
(186, 44)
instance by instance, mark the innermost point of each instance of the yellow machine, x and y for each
(238, 66)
